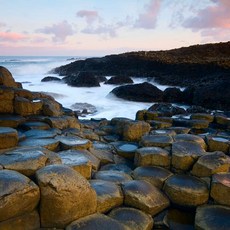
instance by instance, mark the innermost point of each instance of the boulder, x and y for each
(119, 80)
(210, 164)
(152, 156)
(51, 78)
(8, 137)
(18, 194)
(51, 108)
(125, 149)
(97, 222)
(6, 100)
(173, 95)
(156, 141)
(212, 217)
(12, 121)
(144, 196)
(186, 191)
(133, 218)
(143, 92)
(220, 188)
(56, 183)
(218, 143)
(6, 78)
(109, 195)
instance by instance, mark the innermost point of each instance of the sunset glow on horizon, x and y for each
(97, 28)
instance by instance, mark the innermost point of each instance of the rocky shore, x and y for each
(164, 170)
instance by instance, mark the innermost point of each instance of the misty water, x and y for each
(31, 70)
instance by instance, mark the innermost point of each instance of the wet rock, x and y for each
(97, 222)
(18, 194)
(212, 217)
(23, 160)
(28, 221)
(173, 95)
(51, 78)
(51, 108)
(152, 174)
(159, 124)
(125, 149)
(203, 116)
(217, 143)
(144, 196)
(210, 164)
(112, 176)
(119, 80)
(143, 92)
(57, 122)
(6, 78)
(38, 133)
(38, 125)
(185, 154)
(152, 156)
(12, 121)
(133, 218)
(186, 191)
(179, 130)
(109, 195)
(8, 137)
(193, 124)
(220, 188)
(117, 167)
(56, 183)
(144, 115)
(105, 157)
(84, 107)
(7, 103)
(156, 141)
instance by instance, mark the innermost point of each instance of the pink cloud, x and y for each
(12, 37)
(148, 19)
(89, 15)
(215, 16)
(60, 31)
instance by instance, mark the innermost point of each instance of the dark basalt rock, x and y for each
(119, 80)
(50, 78)
(173, 95)
(144, 92)
(82, 79)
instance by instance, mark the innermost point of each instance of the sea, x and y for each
(30, 70)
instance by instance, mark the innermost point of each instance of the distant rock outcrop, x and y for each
(119, 80)
(51, 78)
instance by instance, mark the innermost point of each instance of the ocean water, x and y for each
(30, 70)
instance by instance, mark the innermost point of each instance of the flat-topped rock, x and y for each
(105, 156)
(154, 156)
(112, 176)
(121, 167)
(212, 217)
(210, 164)
(125, 149)
(218, 143)
(18, 194)
(48, 143)
(37, 133)
(7, 100)
(97, 222)
(133, 218)
(76, 143)
(156, 141)
(12, 121)
(57, 122)
(154, 175)
(57, 207)
(220, 188)
(34, 125)
(144, 196)
(185, 154)
(180, 130)
(23, 160)
(193, 124)
(109, 195)
(191, 138)
(8, 137)
(160, 124)
(163, 132)
(202, 116)
(186, 191)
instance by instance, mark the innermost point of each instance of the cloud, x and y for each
(12, 37)
(90, 15)
(148, 19)
(214, 16)
(60, 31)
(2, 24)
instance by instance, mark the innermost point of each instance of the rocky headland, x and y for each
(164, 170)
(203, 70)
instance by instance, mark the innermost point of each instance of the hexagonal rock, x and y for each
(125, 149)
(76, 143)
(65, 196)
(8, 137)
(133, 218)
(122, 167)
(180, 130)
(218, 144)
(6, 98)
(191, 138)
(109, 195)
(97, 222)
(28, 221)
(210, 164)
(57, 122)
(12, 121)
(186, 191)
(30, 125)
(37, 133)
(153, 156)
(112, 176)
(163, 132)
(18, 194)
(48, 143)
(185, 154)
(104, 156)
(220, 188)
(154, 175)
(156, 141)
(23, 160)
(144, 196)
(160, 124)
(212, 217)
(202, 116)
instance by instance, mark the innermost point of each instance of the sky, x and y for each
(101, 27)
